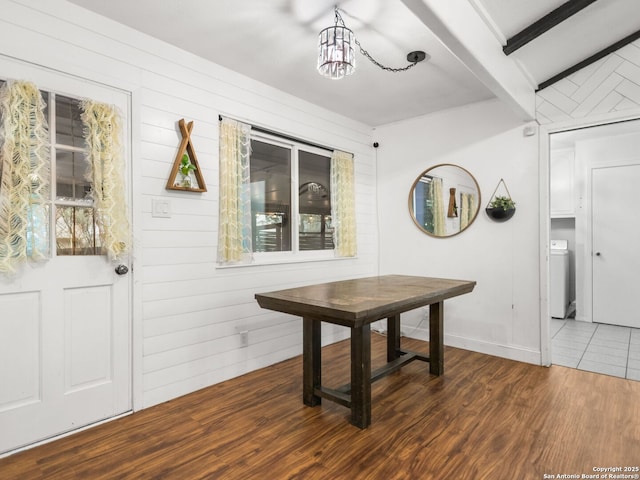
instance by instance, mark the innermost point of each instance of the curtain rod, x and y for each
(286, 137)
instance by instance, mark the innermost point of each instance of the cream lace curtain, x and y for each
(102, 133)
(468, 208)
(234, 221)
(343, 212)
(435, 188)
(24, 176)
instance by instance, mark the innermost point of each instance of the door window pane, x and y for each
(37, 217)
(71, 172)
(68, 123)
(76, 231)
(38, 229)
(270, 197)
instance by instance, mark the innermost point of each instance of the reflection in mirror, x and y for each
(444, 200)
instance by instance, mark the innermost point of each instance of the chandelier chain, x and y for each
(368, 55)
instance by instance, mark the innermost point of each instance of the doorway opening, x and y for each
(593, 226)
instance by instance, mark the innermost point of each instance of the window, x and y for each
(75, 231)
(290, 196)
(279, 197)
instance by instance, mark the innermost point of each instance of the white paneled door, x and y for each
(615, 237)
(65, 324)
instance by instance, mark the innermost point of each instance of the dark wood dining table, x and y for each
(356, 304)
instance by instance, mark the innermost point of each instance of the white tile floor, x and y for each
(596, 347)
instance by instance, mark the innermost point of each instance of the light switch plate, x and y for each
(160, 208)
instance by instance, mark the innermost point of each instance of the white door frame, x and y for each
(544, 215)
(135, 198)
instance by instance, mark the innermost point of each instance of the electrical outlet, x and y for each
(244, 338)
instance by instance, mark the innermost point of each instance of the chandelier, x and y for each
(336, 51)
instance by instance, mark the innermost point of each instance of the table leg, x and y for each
(361, 376)
(436, 338)
(393, 337)
(311, 361)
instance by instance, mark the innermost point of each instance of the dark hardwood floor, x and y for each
(486, 418)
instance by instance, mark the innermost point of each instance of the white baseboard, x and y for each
(511, 352)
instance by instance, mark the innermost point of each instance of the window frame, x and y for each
(295, 254)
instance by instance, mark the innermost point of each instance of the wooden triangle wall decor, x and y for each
(186, 147)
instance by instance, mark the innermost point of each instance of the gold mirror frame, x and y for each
(454, 215)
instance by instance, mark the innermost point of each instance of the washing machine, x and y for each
(558, 278)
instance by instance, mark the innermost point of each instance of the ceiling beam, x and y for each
(588, 61)
(544, 24)
(467, 36)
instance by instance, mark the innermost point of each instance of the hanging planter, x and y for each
(501, 208)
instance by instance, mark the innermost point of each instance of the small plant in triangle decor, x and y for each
(186, 167)
(186, 163)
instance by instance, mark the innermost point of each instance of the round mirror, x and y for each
(444, 200)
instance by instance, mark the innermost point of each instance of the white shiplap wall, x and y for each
(502, 315)
(186, 312)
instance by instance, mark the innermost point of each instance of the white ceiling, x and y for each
(275, 41)
(589, 31)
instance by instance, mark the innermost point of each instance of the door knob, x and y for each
(597, 254)
(122, 269)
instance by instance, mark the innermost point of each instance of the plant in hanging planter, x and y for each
(186, 167)
(501, 208)
(505, 203)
